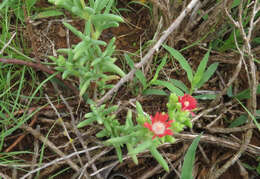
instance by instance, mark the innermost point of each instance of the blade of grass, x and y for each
(186, 172)
(183, 62)
(250, 114)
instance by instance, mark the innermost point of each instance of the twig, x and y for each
(146, 58)
(252, 83)
(36, 151)
(20, 138)
(233, 78)
(39, 66)
(39, 136)
(4, 176)
(231, 130)
(58, 160)
(64, 127)
(93, 160)
(252, 150)
(206, 111)
(78, 133)
(7, 44)
(242, 169)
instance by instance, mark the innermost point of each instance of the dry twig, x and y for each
(148, 56)
(252, 81)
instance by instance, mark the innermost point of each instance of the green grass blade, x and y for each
(183, 62)
(140, 75)
(200, 71)
(154, 92)
(158, 69)
(189, 159)
(208, 73)
(170, 86)
(180, 85)
(156, 154)
(250, 114)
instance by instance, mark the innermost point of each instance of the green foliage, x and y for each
(136, 137)
(48, 13)
(147, 86)
(250, 114)
(189, 159)
(245, 94)
(181, 118)
(197, 79)
(225, 40)
(253, 168)
(86, 60)
(238, 121)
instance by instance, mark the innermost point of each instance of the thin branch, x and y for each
(73, 121)
(7, 44)
(39, 66)
(148, 56)
(251, 149)
(39, 136)
(58, 160)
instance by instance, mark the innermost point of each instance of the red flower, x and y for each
(159, 125)
(188, 102)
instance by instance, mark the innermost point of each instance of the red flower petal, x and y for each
(159, 125)
(187, 102)
(147, 125)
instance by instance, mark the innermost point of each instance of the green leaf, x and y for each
(186, 172)
(247, 166)
(129, 61)
(140, 75)
(142, 147)
(235, 3)
(119, 152)
(229, 91)
(180, 85)
(85, 122)
(106, 18)
(102, 133)
(89, 10)
(99, 5)
(238, 121)
(30, 4)
(154, 92)
(74, 30)
(207, 75)
(110, 67)
(65, 74)
(48, 13)
(250, 114)
(139, 108)
(245, 94)
(109, 6)
(119, 140)
(200, 71)
(129, 122)
(258, 169)
(158, 69)
(159, 158)
(183, 62)
(170, 86)
(130, 150)
(84, 87)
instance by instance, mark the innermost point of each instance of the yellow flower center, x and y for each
(158, 128)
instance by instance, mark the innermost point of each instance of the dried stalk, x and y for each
(148, 56)
(252, 82)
